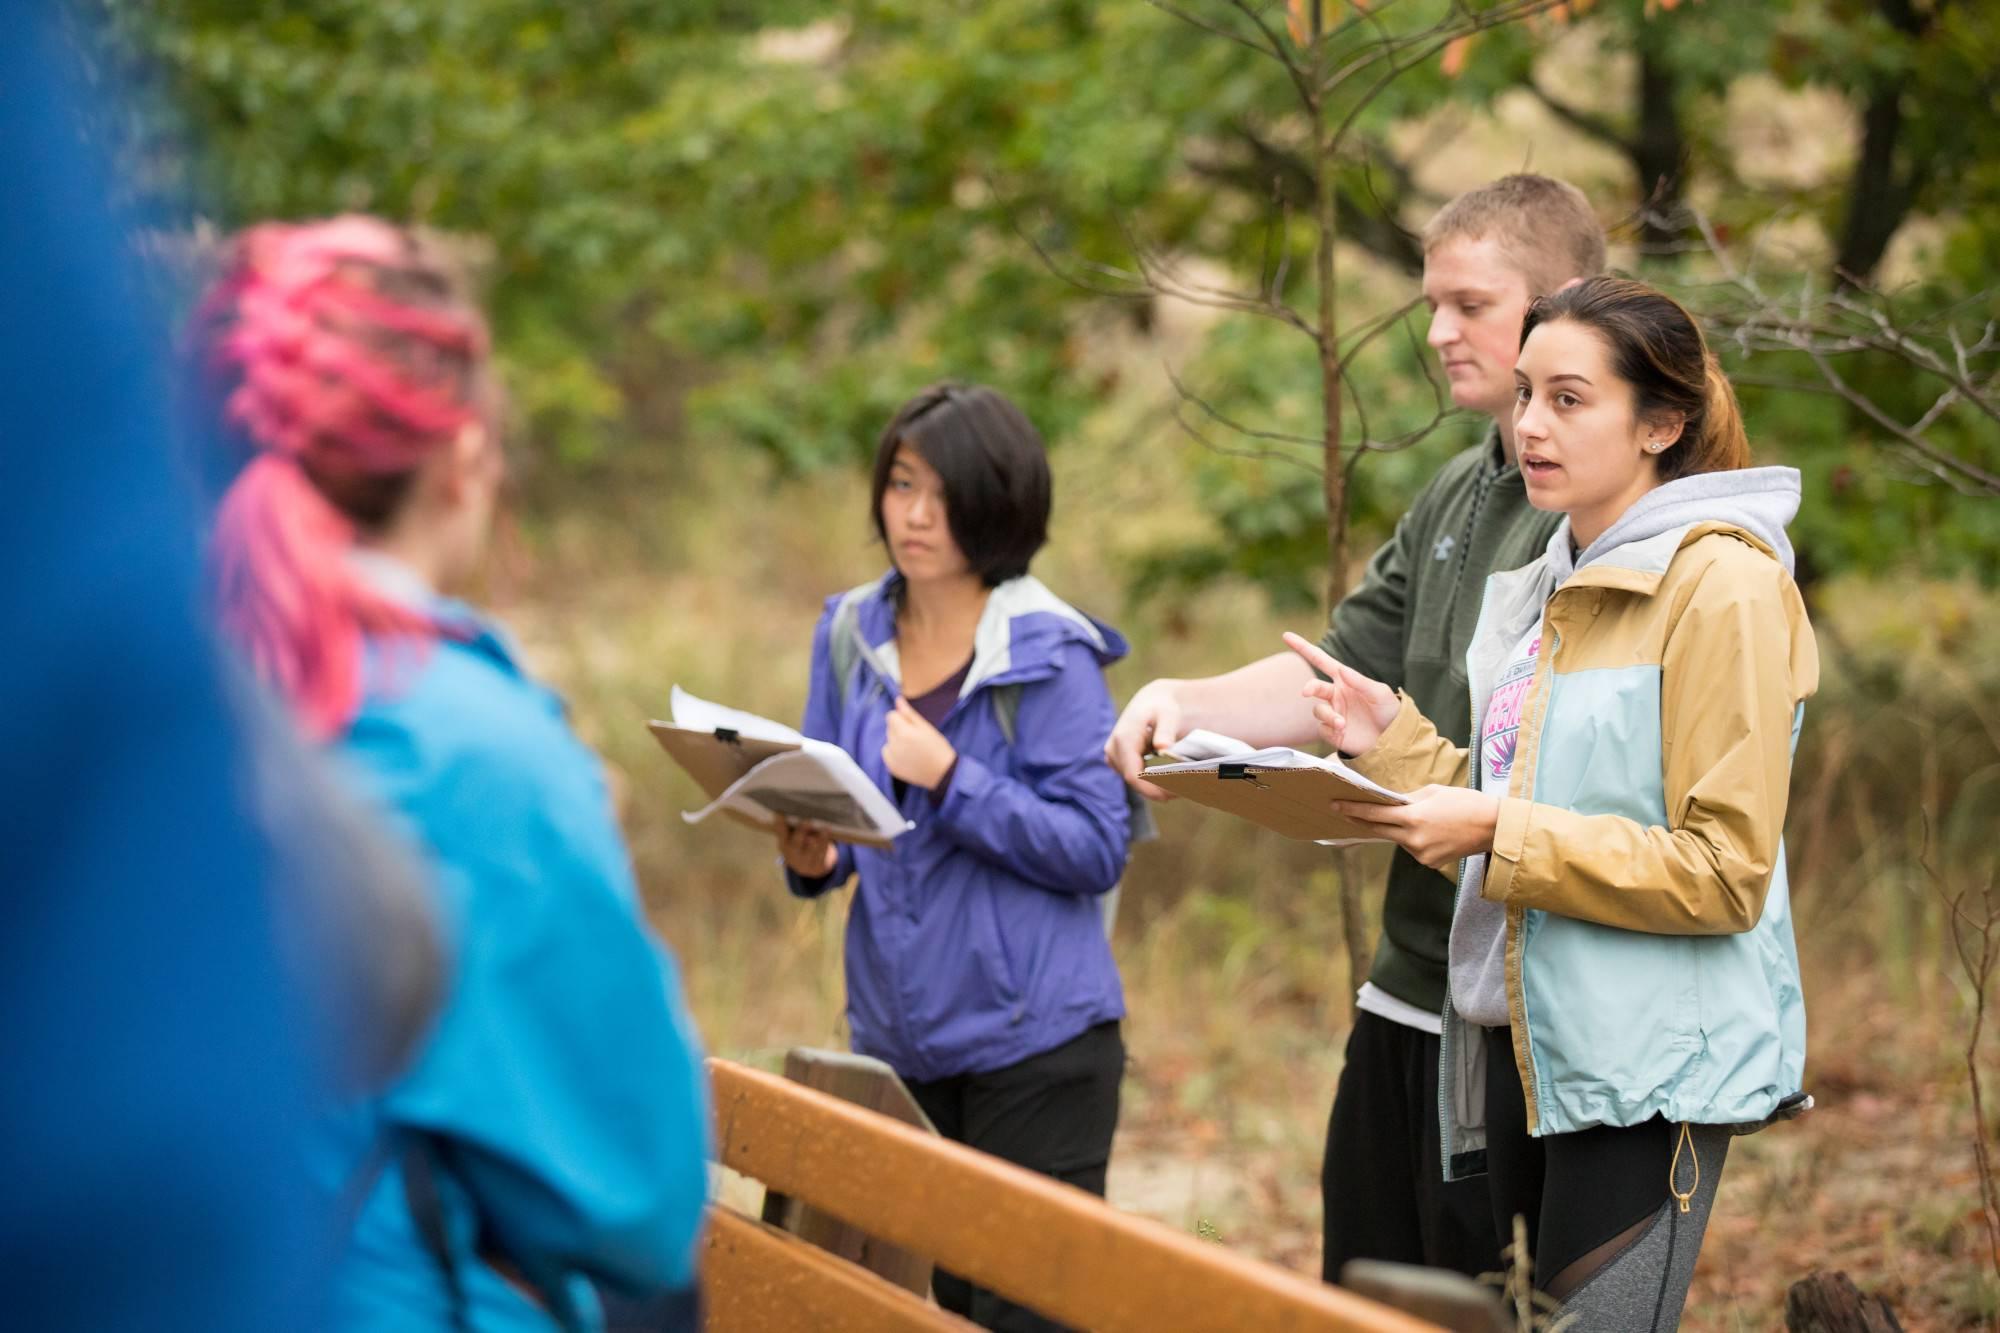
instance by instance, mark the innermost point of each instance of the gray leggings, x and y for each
(1603, 1205)
(1642, 1287)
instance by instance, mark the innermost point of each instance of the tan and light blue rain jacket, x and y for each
(1651, 968)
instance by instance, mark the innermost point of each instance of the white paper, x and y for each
(817, 781)
(694, 714)
(1200, 744)
(1282, 757)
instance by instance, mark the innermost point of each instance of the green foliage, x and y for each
(762, 225)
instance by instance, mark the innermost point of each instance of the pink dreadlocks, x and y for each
(349, 354)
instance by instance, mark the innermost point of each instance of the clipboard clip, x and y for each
(1238, 773)
(727, 734)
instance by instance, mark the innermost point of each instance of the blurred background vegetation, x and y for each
(721, 241)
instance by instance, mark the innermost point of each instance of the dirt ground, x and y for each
(1877, 1181)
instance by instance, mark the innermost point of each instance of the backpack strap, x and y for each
(843, 642)
(426, 1205)
(1006, 709)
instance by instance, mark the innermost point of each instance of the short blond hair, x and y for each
(1543, 225)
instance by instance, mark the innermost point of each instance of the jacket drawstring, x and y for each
(1686, 1140)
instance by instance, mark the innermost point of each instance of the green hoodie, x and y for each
(1408, 625)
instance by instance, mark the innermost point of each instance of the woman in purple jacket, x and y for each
(977, 963)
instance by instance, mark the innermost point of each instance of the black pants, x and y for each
(1382, 1189)
(1579, 1190)
(1053, 1113)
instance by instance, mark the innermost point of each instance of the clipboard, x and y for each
(1290, 801)
(717, 759)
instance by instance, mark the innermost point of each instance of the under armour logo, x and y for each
(1442, 551)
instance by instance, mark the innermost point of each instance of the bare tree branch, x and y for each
(1050, 262)
(1988, 481)
(1461, 21)
(1207, 25)
(1493, 18)
(1258, 455)
(1161, 274)
(1300, 82)
(1219, 418)
(1852, 321)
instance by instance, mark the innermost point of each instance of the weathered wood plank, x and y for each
(758, 1279)
(1034, 1240)
(872, 1084)
(1450, 1300)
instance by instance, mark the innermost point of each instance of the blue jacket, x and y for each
(975, 940)
(564, 1076)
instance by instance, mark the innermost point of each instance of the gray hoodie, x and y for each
(1761, 501)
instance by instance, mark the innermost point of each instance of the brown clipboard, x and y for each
(1291, 801)
(715, 759)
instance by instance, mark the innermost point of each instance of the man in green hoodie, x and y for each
(1487, 254)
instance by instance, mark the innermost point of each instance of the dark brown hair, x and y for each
(995, 470)
(1657, 348)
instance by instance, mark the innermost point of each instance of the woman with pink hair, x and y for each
(551, 1136)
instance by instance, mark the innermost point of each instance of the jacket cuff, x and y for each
(1510, 843)
(802, 887)
(1385, 756)
(943, 788)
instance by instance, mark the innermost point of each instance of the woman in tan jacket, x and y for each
(1624, 986)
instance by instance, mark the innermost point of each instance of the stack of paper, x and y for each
(757, 771)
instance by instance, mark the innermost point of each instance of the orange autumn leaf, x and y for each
(1455, 51)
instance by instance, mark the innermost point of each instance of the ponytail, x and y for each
(1722, 446)
(289, 598)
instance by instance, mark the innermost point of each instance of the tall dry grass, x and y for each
(709, 573)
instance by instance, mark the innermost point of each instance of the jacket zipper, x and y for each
(1517, 994)
(1447, 1046)
(1478, 698)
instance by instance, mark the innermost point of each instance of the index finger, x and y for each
(1315, 656)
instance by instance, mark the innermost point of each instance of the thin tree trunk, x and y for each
(1334, 481)
(1353, 924)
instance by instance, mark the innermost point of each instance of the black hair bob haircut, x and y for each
(995, 469)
